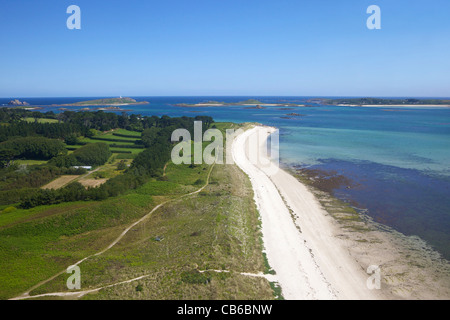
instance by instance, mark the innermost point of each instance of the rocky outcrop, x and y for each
(18, 103)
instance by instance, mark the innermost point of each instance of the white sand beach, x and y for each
(299, 238)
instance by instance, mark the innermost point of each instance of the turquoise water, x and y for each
(398, 157)
(415, 139)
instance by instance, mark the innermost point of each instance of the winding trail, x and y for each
(26, 295)
(79, 294)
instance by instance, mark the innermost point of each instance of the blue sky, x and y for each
(217, 47)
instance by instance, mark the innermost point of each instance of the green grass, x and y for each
(34, 250)
(20, 215)
(30, 162)
(123, 142)
(128, 132)
(161, 188)
(215, 229)
(127, 153)
(40, 120)
(194, 238)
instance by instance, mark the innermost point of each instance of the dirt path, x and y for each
(79, 294)
(26, 295)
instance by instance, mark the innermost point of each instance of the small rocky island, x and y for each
(18, 103)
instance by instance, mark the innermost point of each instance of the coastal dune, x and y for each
(299, 238)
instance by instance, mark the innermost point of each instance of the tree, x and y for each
(121, 165)
(71, 140)
(6, 156)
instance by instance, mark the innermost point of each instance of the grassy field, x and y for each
(30, 162)
(92, 178)
(112, 140)
(128, 133)
(41, 120)
(216, 229)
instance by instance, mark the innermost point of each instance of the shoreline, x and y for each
(411, 267)
(308, 261)
(341, 244)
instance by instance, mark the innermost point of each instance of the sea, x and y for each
(397, 158)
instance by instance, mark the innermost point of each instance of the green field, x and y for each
(30, 162)
(128, 133)
(110, 139)
(216, 229)
(41, 120)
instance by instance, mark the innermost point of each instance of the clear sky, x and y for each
(224, 47)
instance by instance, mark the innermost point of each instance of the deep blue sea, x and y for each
(399, 158)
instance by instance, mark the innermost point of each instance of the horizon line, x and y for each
(240, 95)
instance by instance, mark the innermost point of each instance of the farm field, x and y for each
(40, 120)
(118, 144)
(60, 182)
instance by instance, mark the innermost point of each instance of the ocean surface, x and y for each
(398, 159)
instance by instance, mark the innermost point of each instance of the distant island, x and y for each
(102, 108)
(249, 102)
(18, 103)
(373, 102)
(21, 105)
(104, 102)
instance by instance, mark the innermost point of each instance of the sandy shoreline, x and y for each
(307, 259)
(317, 258)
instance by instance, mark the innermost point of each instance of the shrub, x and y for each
(195, 277)
(9, 209)
(121, 165)
(199, 182)
(93, 154)
(71, 140)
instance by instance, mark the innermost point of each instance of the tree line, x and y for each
(81, 123)
(37, 148)
(156, 137)
(92, 154)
